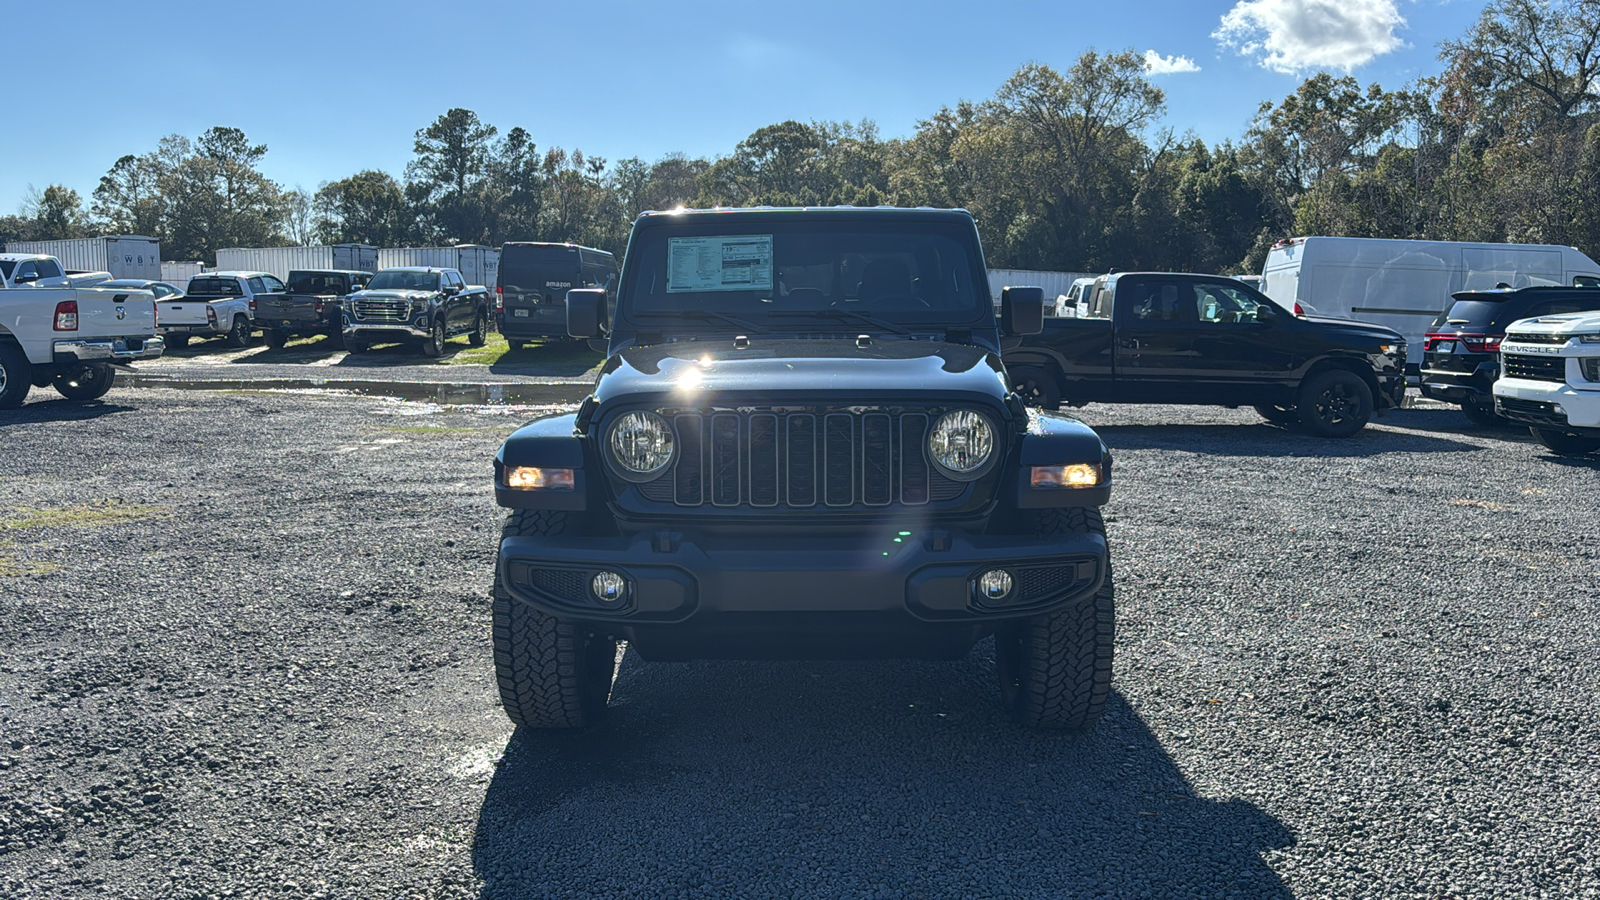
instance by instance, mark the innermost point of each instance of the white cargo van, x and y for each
(1403, 284)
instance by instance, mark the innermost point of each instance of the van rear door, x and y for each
(534, 281)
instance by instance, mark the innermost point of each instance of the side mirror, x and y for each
(1021, 310)
(586, 313)
(1267, 313)
(26, 279)
(450, 289)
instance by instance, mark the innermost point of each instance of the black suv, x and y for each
(802, 445)
(530, 292)
(1460, 357)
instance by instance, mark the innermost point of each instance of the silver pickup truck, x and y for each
(68, 332)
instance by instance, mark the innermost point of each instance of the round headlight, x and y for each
(961, 444)
(641, 443)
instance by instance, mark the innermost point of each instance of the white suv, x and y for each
(1550, 380)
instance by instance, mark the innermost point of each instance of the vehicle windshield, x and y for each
(215, 287)
(315, 283)
(533, 268)
(404, 281)
(792, 274)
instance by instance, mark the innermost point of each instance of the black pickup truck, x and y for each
(309, 304)
(1162, 337)
(802, 445)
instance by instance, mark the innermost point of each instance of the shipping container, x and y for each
(178, 273)
(1055, 284)
(280, 261)
(479, 265)
(125, 256)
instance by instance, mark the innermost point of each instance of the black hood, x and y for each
(788, 368)
(1378, 334)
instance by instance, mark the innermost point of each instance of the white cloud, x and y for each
(1296, 35)
(1156, 64)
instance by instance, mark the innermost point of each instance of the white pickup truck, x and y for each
(67, 332)
(216, 304)
(1550, 380)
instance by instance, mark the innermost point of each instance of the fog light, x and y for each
(534, 478)
(995, 584)
(609, 587)
(1081, 475)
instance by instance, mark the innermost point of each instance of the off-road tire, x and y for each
(1564, 443)
(480, 331)
(177, 341)
(1334, 403)
(1055, 669)
(551, 673)
(433, 344)
(239, 335)
(16, 375)
(87, 383)
(275, 338)
(1481, 414)
(1279, 415)
(1036, 387)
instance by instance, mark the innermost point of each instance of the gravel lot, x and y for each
(244, 651)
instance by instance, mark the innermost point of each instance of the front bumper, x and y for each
(383, 330)
(1547, 404)
(122, 349)
(724, 596)
(1391, 392)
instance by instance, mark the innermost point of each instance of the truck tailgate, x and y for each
(188, 311)
(279, 310)
(115, 313)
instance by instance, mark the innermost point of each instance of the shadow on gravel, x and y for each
(1271, 440)
(309, 352)
(62, 410)
(1592, 461)
(1451, 421)
(834, 779)
(560, 357)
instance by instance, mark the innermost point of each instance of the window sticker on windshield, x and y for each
(732, 263)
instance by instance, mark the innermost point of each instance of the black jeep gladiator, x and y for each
(802, 445)
(1165, 337)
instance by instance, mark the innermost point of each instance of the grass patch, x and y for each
(87, 515)
(11, 567)
(487, 355)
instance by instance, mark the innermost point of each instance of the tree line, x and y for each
(1061, 168)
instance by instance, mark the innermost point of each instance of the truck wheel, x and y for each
(1334, 403)
(480, 331)
(177, 341)
(1481, 414)
(16, 375)
(356, 345)
(1564, 443)
(275, 338)
(551, 673)
(85, 382)
(1278, 415)
(1055, 669)
(336, 337)
(239, 334)
(433, 346)
(1036, 387)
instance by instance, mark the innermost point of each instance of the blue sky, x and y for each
(334, 87)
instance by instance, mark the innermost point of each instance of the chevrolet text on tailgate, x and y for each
(802, 445)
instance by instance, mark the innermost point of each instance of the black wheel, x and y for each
(1566, 443)
(1334, 403)
(1279, 415)
(1055, 669)
(480, 331)
(551, 673)
(177, 341)
(1481, 414)
(356, 345)
(335, 337)
(16, 375)
(239, 334)
(85, 382)
(275, 338)
(1036, 387)
(515, 344)
(433, 346)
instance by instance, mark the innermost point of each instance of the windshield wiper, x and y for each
(704, 315)
(843, 315)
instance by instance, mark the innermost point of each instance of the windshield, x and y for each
(215, 287)
(534, 268)
(792, 272)
(404, 281)
(315, 283)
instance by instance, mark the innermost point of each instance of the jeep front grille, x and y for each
(383, 310)
(766, 459)
(1536, 368)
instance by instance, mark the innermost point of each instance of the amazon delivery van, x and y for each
(1403, 284)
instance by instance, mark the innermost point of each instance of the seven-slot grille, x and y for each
(1536, 368)
(765, 459)
(394, 310)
